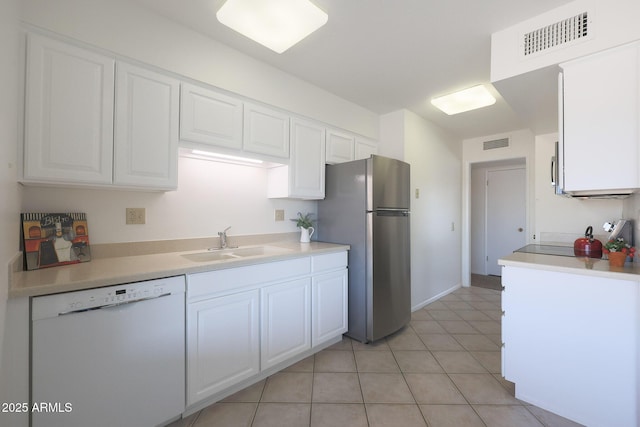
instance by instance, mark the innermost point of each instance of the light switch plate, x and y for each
(136, 215)
(279, 215)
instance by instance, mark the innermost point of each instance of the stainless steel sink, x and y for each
(229, 254)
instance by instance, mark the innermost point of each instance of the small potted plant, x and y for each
(306, 226)
(618, 250)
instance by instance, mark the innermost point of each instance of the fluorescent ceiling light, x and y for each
(225, 157)
(464, 100)
(276, 24)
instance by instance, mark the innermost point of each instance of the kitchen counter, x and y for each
(574, 265)
(125, 269)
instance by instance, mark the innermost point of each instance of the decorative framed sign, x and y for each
(52, 239)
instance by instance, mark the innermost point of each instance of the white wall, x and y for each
(210, 197)
(631, 210)
(10, 197)
(434, 156)
(127, 29)
(392, 135)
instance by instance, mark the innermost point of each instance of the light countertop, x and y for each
(573, 265)
(125, 269)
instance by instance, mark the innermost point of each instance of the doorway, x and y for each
(498, 213)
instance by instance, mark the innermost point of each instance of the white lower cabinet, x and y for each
(245, 323)
(286, 321)
(558, 328)
(220, 355)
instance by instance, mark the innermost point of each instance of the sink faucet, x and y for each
(223, 238)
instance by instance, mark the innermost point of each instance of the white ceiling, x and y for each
(390, 54)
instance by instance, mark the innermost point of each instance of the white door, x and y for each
(506, 214)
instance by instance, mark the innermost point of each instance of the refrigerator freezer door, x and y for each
(388, 273)
(387, 183)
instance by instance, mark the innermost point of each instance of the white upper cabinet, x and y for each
(600, 121)
(68, 114)
(303, 177)
(210, 118)
(340, 147)
(266, 131)
(87, 126)
(146, 128)
(365, 148)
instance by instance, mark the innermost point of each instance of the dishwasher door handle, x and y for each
(117, 304)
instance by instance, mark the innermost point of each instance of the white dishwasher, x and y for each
(112, 356)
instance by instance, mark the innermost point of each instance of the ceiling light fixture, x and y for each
(276, 24)
(464, 100)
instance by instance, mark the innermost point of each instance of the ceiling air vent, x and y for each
(560, 33)
(496, 143)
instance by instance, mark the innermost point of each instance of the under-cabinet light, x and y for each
(464, 100)
(276, 24)
(214, 156)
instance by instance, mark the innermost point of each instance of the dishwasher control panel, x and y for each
(97, 298)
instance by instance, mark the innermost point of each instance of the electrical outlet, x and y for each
(279, 215)
(417, 193)
(135, 216)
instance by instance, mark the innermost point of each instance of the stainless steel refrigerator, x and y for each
(366, 205)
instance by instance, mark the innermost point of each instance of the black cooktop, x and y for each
(548, 250)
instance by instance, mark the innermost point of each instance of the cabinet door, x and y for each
(286, 321)
(210, 118)
(223, 344)
(68, 114)
(364, 149)
(306, 166)
(601, 121)
(146, 128)
(265, 131)
(330, 308)
(340, 147)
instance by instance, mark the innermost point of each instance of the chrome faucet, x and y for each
(223, 238)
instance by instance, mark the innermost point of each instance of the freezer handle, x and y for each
(391, 212)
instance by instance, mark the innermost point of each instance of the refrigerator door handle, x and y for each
(391, 212)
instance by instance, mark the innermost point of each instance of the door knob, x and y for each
(520, 229)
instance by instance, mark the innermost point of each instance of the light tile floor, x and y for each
(441, 370)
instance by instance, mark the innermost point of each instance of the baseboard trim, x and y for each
(435, 298)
